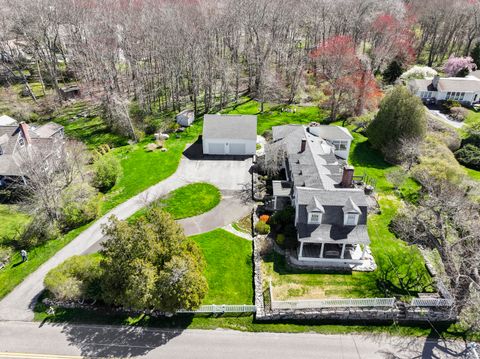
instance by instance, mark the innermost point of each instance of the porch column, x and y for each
(321, 250)
(300, 253)
(343, 251)
(363, 252)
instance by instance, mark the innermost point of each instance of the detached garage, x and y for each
(229, 135)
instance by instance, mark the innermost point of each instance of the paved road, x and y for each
(102, 341)
(227, 174)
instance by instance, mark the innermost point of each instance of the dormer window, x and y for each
(21, 142)
(315, 211)
(351, 219)
(351, 213)
(314, 217)
(340, 145)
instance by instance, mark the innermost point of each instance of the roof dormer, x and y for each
(351, 213)
(315, 211)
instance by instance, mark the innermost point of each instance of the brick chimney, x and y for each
(25, 133)
(303, 145)
(435, 81)
(347, 177)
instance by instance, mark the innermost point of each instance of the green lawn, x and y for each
(142, 169)
(473, 174)
(187, 201)
(191, 200)
(229, 267)
(91, 131)
(11, 221)
(16, 271)
(273, 115)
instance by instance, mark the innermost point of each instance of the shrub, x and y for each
(283, 217)
(264, 218)
(469, 155)
(459, 113)
(5, 254)
(262, 227)
(106, 171)
(444, 134)
(449, 104)
(75, 279)
(280, 239)
(401, 117)
(38, 231)
(80, 205)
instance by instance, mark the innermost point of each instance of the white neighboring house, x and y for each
(465, 90)
(185, 118)
(229, 135)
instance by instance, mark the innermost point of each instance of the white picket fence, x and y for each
(223, 308)
(333, 303)
(431, 302)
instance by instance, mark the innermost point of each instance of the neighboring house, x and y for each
(17, 140)
(465, 90)
(330, 213)
(229, 134)
(185, 118)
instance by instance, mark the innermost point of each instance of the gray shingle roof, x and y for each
(448, 84)
(331, 197)
(242, 127)
(333, 233)
(351, 207)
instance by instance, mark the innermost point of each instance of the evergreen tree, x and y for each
(401, 117)
(392, 72)
(475, 54)
(151, 264)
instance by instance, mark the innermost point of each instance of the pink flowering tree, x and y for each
(459, 66)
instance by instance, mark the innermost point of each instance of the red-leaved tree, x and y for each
(335, 63)
(349, 82)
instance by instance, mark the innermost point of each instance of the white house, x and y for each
(330, 213)
(229, 134)
(465, 90)
(185, 118)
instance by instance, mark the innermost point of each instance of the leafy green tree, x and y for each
(80, 205)
(151, 264)
(401, 117)
(392, 72)
(106, 171)
(77, 278)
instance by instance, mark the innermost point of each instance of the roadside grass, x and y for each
(12, 220)
(187, 201)
(16, 271)
(273, 115)
(229, 267)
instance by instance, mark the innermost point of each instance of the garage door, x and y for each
(237, 148)
(216, 148)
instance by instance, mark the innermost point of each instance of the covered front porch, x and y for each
(316, 251)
